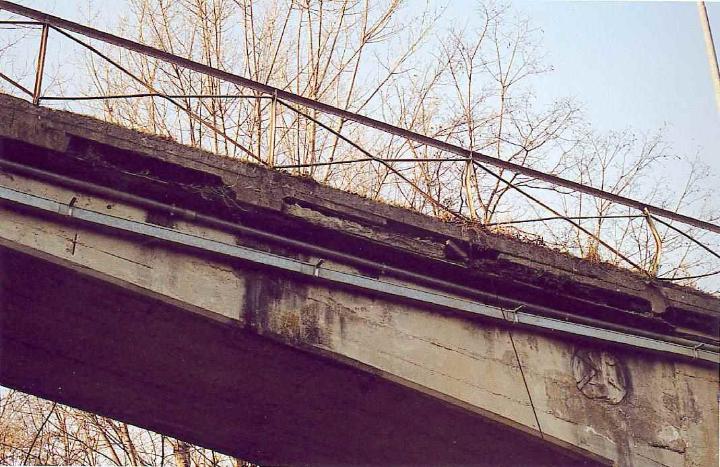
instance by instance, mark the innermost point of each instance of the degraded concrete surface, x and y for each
(275, 368)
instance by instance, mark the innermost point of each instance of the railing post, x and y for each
(37, 90)
(273, 124)
(658, 243)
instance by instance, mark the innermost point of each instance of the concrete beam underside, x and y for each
(72, 337)
(668, 416)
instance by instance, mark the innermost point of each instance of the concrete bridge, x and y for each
(283, 322)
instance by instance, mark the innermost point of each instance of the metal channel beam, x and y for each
(345, 114)
(354, 280)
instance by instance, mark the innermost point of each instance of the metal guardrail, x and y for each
(280, 97)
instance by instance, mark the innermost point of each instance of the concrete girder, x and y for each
(666, 414)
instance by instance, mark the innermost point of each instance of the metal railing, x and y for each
(279, 98)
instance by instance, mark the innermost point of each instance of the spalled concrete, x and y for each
(277, 368)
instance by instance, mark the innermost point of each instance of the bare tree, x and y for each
(470, 85)
(34, 431)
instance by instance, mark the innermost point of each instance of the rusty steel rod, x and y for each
(19, 23)
(16, 84)
(273, 129)
(555, 218)
(40, 68)
(151, 94)
(373, 159)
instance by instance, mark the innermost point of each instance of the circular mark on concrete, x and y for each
(600, 375)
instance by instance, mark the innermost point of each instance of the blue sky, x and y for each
(641, 65)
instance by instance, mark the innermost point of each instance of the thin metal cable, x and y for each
(153, 94)
(551, 218)
(164, 96)
(688, 236)
(522, 372)
(697, 242)
(428, 197)
(372, 159)
(21, 22)
(698, 276)
(578, 226)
